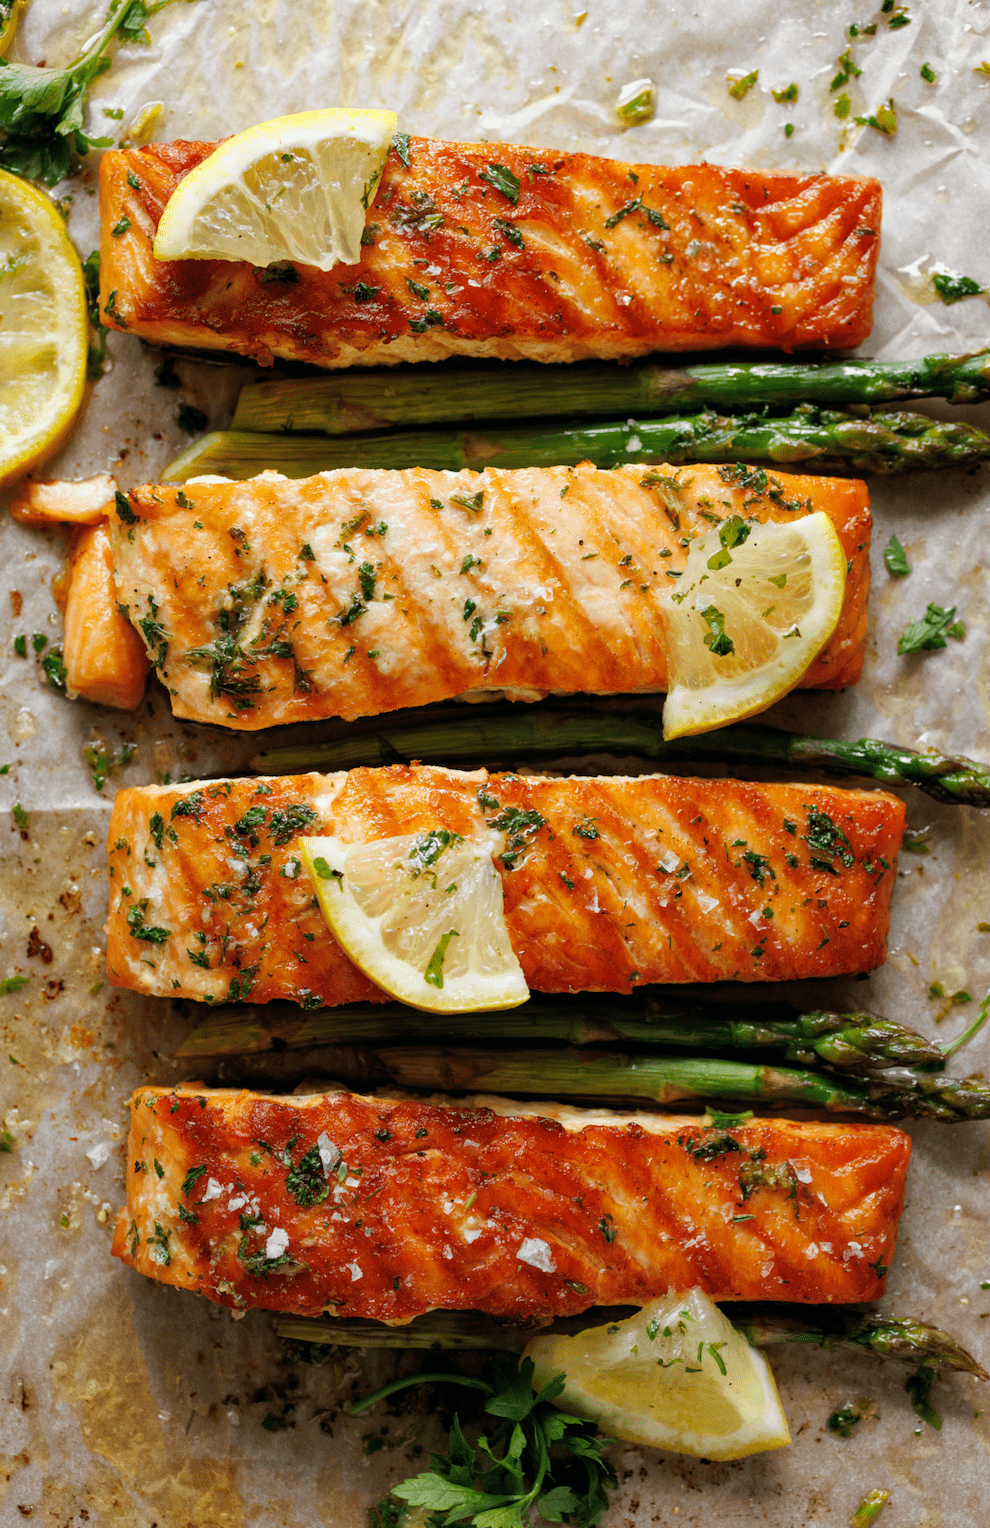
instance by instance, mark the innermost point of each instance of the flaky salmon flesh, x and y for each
(389, 1208)
(608, 883)
(358, 591)
(504, 251)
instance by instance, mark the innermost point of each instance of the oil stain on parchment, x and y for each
(100, 1374)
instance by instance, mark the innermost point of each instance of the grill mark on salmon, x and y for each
(421, 1206)
(360, 591)
(596, 258)
(687, 880)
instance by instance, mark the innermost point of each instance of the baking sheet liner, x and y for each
(126, 1403)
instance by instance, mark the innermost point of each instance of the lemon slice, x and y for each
(754, 608)
(421, 915)
(675, 1376)
(9, 27)
(296, 188)
(43, 328)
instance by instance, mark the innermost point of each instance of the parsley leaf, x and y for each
(513, 1471)
(42, 111)
(896, 559)
(928, 635)
(954, 288)
(502, 179)
(718, 644)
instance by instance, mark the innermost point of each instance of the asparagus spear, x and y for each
(673, 1079)
(899, 1337)
(807, 439)
(429, 394)
(509, 733)
(859, 1043)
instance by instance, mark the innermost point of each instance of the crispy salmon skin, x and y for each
(386, 1209)
(357, 591)
(505, 251)
(608, 883)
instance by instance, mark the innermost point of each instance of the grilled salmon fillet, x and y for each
(359, 591)
(388, 1208)
(608, 883)
(484, 249)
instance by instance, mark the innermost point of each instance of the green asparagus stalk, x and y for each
(344, 402)
(510, 733)
(898, 1337)
(859, 1043)
(666, 1080)
(807, 439)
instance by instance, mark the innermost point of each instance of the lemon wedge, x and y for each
(296, 188)
(421, 914)
(754, 608)
(43, 328)
(677, 1375)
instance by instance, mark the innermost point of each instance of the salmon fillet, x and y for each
(389, 1208)
(357, 592)
(608, 883)
(570, 256)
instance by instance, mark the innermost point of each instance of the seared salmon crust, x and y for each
(383, 1208)
(608, 883)
(510, 252)
(357, 592)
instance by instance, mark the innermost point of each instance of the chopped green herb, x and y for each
(430, 319)
(788, 93)
(502, 179)
(954, 288)
(190, 419)
(21, 818)
(919, 1387)
(884, 119)
(718, 644)
(741, 87)
(139, 929)
(400, 143)
(928, 635)
(928, 74)
(847, 71)
(732, 532)
(10, 984)
(896, 559)
(121, 226)
(434, 970)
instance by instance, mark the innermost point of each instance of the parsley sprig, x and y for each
(42, 111)
(507, 1476)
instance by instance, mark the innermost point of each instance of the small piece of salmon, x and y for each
(105, 660)
(357, 591)
(485, 249)
(389, 1208)
(608, 883)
